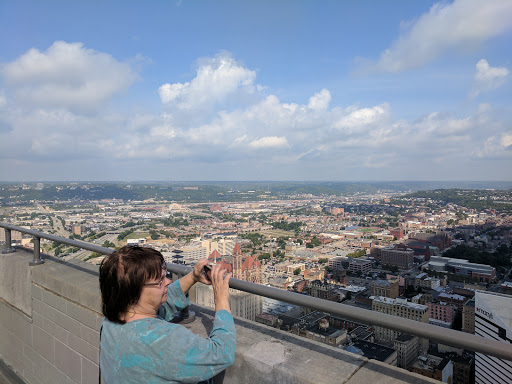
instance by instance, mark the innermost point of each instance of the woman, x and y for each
(137, 344)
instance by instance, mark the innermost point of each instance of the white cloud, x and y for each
(216, 79)
(488, 78)
(460, 25)
(269, 142)
(66, 76)
(320, 101)
(262, 130)
(362, 119)
(496, 146)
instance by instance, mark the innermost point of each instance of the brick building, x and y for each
(441, 314)
(385, 288)
(397, 255)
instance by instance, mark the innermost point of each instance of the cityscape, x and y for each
(438, 256)
(348, 162)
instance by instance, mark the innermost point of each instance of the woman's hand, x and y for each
(197, 272)
(220, 282)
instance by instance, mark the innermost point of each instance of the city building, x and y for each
(493, 320)
(441, 314)
(323, 290)
(440, 240)
(77, 230)
(246, 268)
(482, 272)
(374, 351)
(192, 254)
(223, 246)
(468, 317)
(397, 255)
(139, 242)
(506, 287)
(397, 233)
(434, 367)
(386, 288)
(322, 331)
(401, 308)
(407, 349)
(360, 265)
(338, 263)
(337, 211)
(425, 282)
(463, 369)
(242, 304)
(452, 298)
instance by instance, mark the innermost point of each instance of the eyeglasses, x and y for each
(160, 282)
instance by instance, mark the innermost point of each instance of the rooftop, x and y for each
(399, 301)
(374, 351)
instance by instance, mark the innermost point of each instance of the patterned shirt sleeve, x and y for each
(176, 301)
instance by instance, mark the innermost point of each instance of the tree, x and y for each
(297, 271)
(108, 244)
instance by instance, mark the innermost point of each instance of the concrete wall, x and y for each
(49, 321)
(50, 317)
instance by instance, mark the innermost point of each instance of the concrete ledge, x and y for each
(267, 355)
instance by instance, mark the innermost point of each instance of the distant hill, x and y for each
(201, 191)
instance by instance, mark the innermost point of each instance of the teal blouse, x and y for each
(153, 350)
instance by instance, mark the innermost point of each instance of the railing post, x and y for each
(37, 252)
(184, 316)
(8, 248)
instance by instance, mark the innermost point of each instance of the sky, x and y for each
(255, 90)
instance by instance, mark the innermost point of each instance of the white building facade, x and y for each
(493, 320)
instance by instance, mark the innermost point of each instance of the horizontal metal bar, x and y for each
(442, 335)
(416, 328)
(58, 239)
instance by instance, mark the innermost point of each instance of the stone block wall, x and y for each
(52, 337)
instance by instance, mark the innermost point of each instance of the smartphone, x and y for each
(207, 271)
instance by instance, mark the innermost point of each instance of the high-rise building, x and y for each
(242, 304)
(401, 308)
(468, 316)
(223, 246)
(407, 350)
(493, 320)
(192, 254)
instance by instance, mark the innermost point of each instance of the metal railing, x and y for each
(446, 336)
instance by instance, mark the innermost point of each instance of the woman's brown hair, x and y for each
(123, 274)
